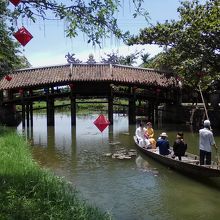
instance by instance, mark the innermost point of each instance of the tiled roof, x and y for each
(85, 72)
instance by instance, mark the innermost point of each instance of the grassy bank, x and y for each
(29, 192)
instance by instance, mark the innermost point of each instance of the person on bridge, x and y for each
(206, 141)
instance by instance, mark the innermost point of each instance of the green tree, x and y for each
(192, 43)
(10, 56)
(115, 58)
(95, 18)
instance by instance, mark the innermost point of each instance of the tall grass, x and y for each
(30, 192)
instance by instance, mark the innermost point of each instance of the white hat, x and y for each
(206, 123)
(164, 134)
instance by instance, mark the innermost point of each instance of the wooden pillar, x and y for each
(152, 111)
(110, 109)
(23, 115)
(51, 137)
(22, 108)
(28, 114)
(1, 96)
(132, 107)
(73, 108)
(31, 114)
(110, 105)
(156, 113)
(50, 112)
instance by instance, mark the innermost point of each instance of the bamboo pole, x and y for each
(206, 112)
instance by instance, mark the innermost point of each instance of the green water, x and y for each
(135, 189)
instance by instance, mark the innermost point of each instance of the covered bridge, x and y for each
(25, 86)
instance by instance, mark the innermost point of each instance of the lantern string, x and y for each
(44, 27)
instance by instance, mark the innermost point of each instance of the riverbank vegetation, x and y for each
(82, 107)
(30, 192)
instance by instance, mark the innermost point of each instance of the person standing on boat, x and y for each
(163, 144)
(206, 141)
(179, 146)
(140, 134)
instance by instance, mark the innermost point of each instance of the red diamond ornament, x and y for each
(23, 36)
(15, 2)
(101, 123)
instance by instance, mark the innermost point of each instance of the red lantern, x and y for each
(158, 91)
(15, 2)
(200, 74)
(23, 36)
(8, 78)
(101, 123)
(134, 88)
(21, 91)
(72, 86)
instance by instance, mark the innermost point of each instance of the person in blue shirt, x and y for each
(163, 144)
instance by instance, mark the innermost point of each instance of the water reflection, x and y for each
(134, 189)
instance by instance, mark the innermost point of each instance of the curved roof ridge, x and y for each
(98, 72)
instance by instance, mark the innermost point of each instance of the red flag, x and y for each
(101, 123)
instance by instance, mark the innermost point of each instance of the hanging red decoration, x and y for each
(15, 2)
(134, 88)
(72, 86)
(8, 78)
(21, 91)
(23, 36)
(200, 74)
(158, 91)
(101, 123)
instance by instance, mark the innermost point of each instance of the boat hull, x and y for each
(190, 168)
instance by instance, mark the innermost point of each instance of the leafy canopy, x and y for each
(192, 43)
(95, 18)
(10, 57)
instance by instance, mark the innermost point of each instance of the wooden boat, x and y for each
(188, 165)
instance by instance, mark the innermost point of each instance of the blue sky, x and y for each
(49, 45)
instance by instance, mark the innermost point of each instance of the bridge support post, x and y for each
(31, 114)
(28, 114)
(156, 115)
(50, 112)
(73, 108)
(22, 111)
(132, 107)
(151, 111)
(110, 109)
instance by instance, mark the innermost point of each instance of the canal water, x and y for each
(130, 189)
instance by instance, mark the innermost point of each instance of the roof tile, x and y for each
(86, 72)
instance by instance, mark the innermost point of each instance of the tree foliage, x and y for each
(10, 57)
(192, 43)
(95, 18)
(115, 58)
